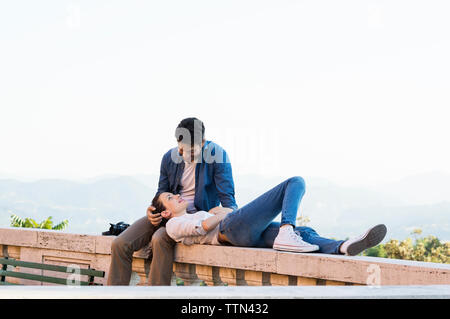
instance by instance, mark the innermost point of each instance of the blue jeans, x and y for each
(253, 225)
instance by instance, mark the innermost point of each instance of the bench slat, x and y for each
(53, 280)
(13, 262)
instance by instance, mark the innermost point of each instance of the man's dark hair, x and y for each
(196, 130)
(159, 207)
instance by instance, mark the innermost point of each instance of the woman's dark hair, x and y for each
(159, 207)
(196, 130)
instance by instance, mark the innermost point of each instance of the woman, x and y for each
(253, 225)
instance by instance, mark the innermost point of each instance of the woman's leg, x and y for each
(244, 226)
(326, 245)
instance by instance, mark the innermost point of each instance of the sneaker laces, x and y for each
(296, 236)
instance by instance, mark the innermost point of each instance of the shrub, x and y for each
(17, 221)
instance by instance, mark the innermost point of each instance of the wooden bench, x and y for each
(91, 273)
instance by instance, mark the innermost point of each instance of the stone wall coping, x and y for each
(31, 237)
(240, 292)
(59, 240)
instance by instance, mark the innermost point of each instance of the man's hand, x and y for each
(219, 209)
(155, 219)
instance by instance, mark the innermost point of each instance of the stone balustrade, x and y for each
(221, 265)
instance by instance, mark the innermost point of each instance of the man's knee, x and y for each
(119, 245)
(161, 239)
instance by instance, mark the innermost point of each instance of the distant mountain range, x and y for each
(340, 212)
(421, 201)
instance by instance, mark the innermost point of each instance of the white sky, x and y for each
(353, 91)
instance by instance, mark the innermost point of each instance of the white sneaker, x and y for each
(288, 240)
(370, 238)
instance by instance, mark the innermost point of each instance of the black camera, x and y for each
(116, 229)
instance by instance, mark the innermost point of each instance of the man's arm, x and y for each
(223, 179)
(163, 186)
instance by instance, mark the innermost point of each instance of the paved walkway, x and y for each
(174, 292)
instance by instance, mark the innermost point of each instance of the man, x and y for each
(198, 170)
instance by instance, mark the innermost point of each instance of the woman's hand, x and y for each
(219, 214)
(220, 210)
(155, 219)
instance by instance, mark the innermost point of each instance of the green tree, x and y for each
(17, 221)
(416, 232)
(377, 251)
(429, 249)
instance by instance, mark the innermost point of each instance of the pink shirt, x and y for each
(188, 185)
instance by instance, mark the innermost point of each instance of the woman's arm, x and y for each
(219, 209)
(178, 228)
(211, 222)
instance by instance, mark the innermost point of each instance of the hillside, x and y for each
(334, 211)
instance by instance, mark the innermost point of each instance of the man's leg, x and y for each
(163, 248)
(132, 239)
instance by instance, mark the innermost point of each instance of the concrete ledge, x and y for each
(50, 239)
(307, 292)
(315, 265)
